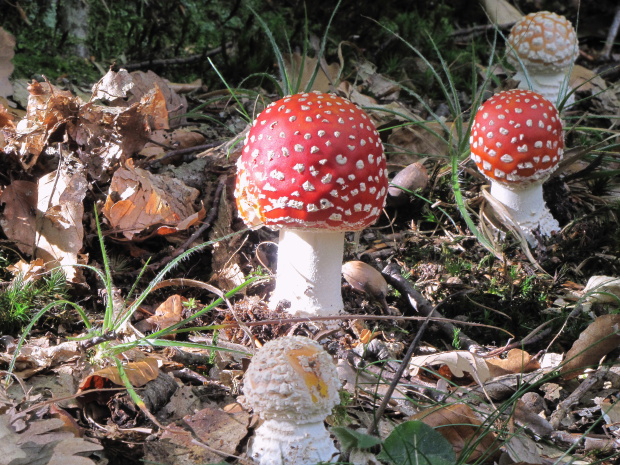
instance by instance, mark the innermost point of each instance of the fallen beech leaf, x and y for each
(7, 51)
(162, 140)
(168, 313)
(459, 362)
(517, 361)
(60, 209)
(596, 341)
(295, 63)
(138, 373)
(175, 104)
(139, 199)
(462, 428)
(18, 220)
(112, 86)
(29, 271)
(602, 289)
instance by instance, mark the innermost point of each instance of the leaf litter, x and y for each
(74, 153)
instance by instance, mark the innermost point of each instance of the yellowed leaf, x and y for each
(138, 373)
(517, 361)
(295, 64)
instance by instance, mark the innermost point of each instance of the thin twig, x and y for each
(175, 61)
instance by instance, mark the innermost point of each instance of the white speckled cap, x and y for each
(292, 378)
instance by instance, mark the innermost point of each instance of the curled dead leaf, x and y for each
(139, 200)
(139, 373)
(516, 361)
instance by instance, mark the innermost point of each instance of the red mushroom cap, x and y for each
(516, 137)
(545, 42)
(312, 161)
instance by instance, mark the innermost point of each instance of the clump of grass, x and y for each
(20, 298)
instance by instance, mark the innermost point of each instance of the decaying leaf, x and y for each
(139, 200)
(596, 341)
(33, 358)
(114, 85)
(459, 362)
(218, 435)
(139, 373)
(162, 140)
(462, 428)
(296, 64)
(18, 220)
(42, 443)
(517, 361)
(168, 313)
(59, 232)
(7, 51)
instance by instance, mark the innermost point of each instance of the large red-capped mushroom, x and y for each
(542, 47)
(517, 142)
(313, 167)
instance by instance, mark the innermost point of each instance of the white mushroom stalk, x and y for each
(543, 47)
(312, 167)
(309, 272)
(517, 142)
(292, 384)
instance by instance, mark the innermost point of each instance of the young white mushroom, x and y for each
(542, 47)
(292, 384)
(517, 142)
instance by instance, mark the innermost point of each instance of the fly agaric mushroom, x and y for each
(292, 384)
(542, 47)
(517, 142)
(313, 166)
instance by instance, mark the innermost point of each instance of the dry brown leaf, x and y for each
(461, 427)
(458, 361)
(138, 373)
(602, 289)
(596, 341)
(18, 220)
(139, 200)
(377, 84)
(175, 104)
(7, 51)
(60, 209)
(114, 85)
(410, 143)
(48, 109)
(42, 443)
(322, 82)
(501, 12)
(214, 428)
(29, 271)
(33, 359)
(517, 361)
(162, 140)
(167, 314)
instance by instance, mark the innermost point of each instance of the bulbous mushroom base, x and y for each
(279, 442)
(528, 209)
(553, 86)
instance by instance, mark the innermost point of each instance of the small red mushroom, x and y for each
(517, 142)
(313, 167)
(542, 47)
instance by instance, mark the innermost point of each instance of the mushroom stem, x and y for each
(552, 86)
(527, 207)
(278, 442)
(309, 269)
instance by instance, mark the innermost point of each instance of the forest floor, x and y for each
(128, 185)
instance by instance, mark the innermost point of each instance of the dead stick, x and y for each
(423, 306)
